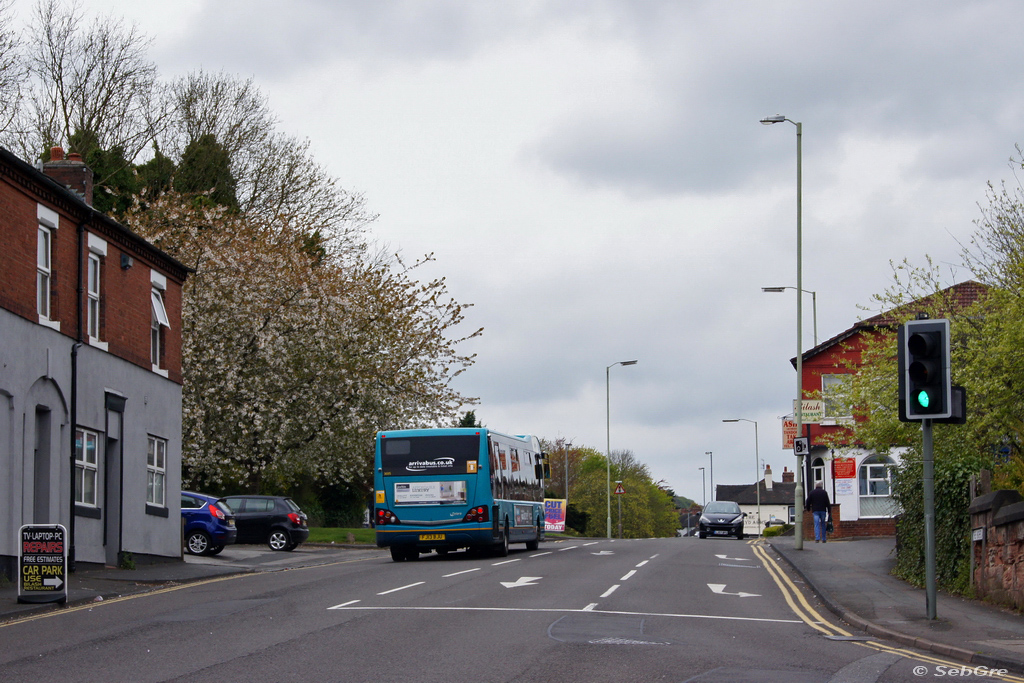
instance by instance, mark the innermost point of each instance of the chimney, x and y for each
(767, 477)
(71, 172)
(787, 476)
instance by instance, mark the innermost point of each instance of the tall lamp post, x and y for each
(567, 445)
(608, 433)
(711, 473)
(814, 305)
(757, 471)
(798, 494)
(703, 488)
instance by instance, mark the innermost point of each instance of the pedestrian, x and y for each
(819, 504)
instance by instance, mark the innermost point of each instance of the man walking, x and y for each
(819, 504)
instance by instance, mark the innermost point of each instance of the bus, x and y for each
(445, 489)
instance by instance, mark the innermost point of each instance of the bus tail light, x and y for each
(386, 517)
(477, 514)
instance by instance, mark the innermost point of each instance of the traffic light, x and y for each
(925, 382)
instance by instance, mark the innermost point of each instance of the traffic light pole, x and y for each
(928, 476)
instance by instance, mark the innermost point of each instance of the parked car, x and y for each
(275, 520)
(209, 524)
(721, 518)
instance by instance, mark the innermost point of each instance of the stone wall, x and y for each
(998, 558)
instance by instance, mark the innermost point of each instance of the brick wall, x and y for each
(859, 528)
(125, 293)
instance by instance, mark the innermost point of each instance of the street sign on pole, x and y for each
(618, 488)
(42, 563)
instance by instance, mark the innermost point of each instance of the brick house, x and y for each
(90, 371)
(858, 480)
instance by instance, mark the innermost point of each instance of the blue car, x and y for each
(209, 524)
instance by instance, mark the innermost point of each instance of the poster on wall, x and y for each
(844, 468)
(554, 514)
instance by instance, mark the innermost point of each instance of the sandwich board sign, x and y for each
(43, 563)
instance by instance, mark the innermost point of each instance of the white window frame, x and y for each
(48, 221)
(94, 303)
(159, 319)
(156, 472)
(86, 467)
(868, 474)
(832, 412)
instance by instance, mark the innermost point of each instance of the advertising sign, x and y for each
(812, 411)
(430, 492)
(788, 434)
(42, 563)
(554, 514)
(844, 468)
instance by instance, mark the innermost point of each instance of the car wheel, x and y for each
(702, 535)
(739, 535)
(216, 549)
(291, 546)
(198, 543)
(278, 540)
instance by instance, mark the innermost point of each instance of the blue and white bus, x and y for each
(445, 489)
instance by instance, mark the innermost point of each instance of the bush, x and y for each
(778, 530)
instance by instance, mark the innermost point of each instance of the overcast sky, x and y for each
(592, 176)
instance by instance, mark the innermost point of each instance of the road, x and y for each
(680, 609)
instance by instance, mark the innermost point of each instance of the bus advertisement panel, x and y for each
(444, 489)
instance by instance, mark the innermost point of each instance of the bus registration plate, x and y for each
(431, 537)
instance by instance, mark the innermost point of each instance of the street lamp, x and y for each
(608, 432)
(703, 488)
(711, 473)
(814, 305)
(567, 445)
(798, 493)
(757, 472)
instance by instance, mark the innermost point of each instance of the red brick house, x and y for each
(856, 479)
(90, 371)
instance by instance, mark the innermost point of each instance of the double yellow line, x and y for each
(809, 615)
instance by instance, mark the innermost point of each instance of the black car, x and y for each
(721, 518)
(275, 520)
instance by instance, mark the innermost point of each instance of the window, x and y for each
(817, 472)
(86, 443)
(876, 487)
(93, 311)
(43, 272)
(48, 221)
(156, 471)
(160, 321)
(831, 388)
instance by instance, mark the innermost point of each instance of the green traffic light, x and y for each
(923, 399)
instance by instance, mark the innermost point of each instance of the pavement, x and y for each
(851, 577)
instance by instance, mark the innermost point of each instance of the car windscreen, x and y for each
(723, 508)
(429, 455)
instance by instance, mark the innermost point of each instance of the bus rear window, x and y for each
(429, 455)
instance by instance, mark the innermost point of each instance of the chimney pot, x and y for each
(75, 157)
(56, 154)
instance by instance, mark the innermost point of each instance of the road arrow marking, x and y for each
(521, 581)
(53, 581)
(719, 588)
(726, 557)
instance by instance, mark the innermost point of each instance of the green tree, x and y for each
(205, 169)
